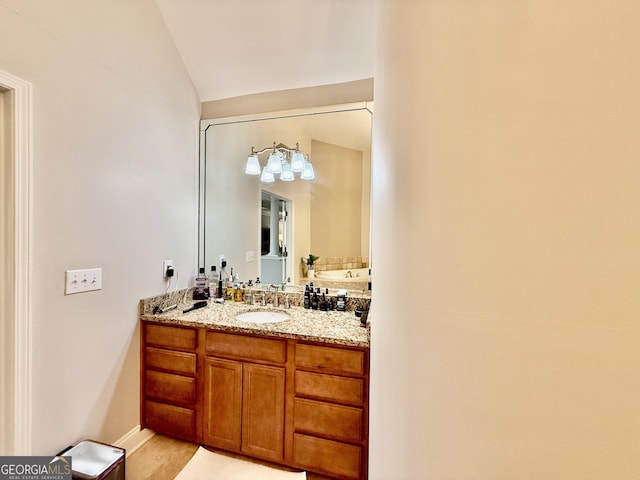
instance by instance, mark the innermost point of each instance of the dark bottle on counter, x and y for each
(307, 297)
(315, 300)
(330, 300)
(324, 305)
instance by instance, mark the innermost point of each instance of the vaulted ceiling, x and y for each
(240, 47)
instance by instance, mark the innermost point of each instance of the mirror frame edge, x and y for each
(298, 112)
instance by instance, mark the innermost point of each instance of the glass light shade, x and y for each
(297, 162)
(253, 165)
(308, 173)
(267, 176)
(287, 173)
(274, 165)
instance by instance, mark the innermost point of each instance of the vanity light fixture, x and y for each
(283, 161)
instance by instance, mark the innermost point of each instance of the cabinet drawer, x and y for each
(327, 456)
(170, 420)
(173, 337)
(332, 359)
(330, 387)
(328, 420)
(170, 388)
(252, 348)
(180, 362)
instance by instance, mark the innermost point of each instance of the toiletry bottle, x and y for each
(247, 294)
(307, 297)
(238, 289)
(224, 275)
(330, 305)
(230, 286)
(315, 300)
(238, 292)
(323, 303)
(341, 301)
(213, 282)
(222, 280)
(201, 291)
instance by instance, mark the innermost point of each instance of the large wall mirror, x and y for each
(266, 229)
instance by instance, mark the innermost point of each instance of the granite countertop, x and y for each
(342, 328)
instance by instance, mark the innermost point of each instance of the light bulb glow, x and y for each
(267, 176)
(253, 165)
(297, 162)
(287, 173)
(275, 163)
(308, 173)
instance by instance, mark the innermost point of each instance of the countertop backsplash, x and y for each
(184, 298)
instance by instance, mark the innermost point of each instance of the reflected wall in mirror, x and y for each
(328, 216)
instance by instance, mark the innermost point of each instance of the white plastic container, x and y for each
(96, 461)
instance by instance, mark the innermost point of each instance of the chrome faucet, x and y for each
(349, 274)
(275, 299)
(287, 301)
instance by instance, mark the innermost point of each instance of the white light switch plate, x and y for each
(78, 281)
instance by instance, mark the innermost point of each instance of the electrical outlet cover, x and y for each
(166, 264)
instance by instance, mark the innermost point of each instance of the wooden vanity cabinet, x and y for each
(331, 410)
(244, 395)
(300, 404)
(168, 383)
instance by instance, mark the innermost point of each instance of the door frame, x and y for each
(15, 253)
(289, 237)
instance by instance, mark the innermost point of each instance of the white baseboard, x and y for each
(134, 439)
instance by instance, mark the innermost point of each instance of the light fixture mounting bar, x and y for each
(280, 147)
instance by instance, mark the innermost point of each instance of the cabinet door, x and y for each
(263, 411)
(222, 403)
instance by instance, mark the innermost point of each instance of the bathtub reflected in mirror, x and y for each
(355, 280)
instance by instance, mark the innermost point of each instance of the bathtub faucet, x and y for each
(349, 274)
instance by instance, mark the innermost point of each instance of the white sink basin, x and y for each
(263, 316)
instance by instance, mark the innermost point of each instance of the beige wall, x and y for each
(336, 210)
(506, 338)
(115, 122)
